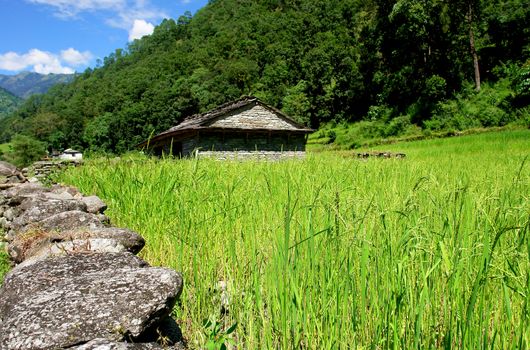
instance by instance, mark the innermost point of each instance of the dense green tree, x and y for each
(340, 60)
(8, 102)
(296, 103)
(25, 150)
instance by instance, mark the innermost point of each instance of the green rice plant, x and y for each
(332, 252)
(5, 264)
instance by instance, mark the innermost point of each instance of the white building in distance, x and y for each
(70, 154)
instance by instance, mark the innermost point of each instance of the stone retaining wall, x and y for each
(43, 169)
(378, 154)
(76, 281)
(251, 155)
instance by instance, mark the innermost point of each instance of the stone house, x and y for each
(243, 128)
(71, 154)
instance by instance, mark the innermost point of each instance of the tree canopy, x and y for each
(342, 60)
(8, 102)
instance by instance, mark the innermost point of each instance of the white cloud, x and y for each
(140, 28)
(53, 67)
(123, 12)
(44, 62)
(70, 8)
(125, 19)
(11, 61)
(76, 58)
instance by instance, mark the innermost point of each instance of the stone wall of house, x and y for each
(245, 143)
(256, 117)
(76, 282)
(250, 155)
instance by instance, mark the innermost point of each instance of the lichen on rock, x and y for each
(77, 283)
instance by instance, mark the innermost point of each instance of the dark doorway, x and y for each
(176, 149)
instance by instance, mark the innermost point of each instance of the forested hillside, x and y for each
(25, 84)
(8, 102)
(341, 60)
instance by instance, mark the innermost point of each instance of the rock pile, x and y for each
(44, 168)
(77, 283)
(376, 154)
(10, 175)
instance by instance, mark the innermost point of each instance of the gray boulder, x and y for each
(11, 213)
(34, 180)
(4, 224)
(37, 244)
(10, 176)
(63, 196)
(19, 193)
(73, 191)
(131, 240)
(25, 189)
(94, 245)
(61, 302)
(94, 204)
(103, 344)
(36, 209)
(68, 221)
(7, 169)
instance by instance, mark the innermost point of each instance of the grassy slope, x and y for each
(492, 144)
(432, 251)
(8, 102)
(4, 147)
(359, 135)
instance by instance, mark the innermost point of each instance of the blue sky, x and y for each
(63, 36)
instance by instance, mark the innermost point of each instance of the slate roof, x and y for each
(202, 120)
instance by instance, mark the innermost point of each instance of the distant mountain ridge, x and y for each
(25, 84)
(8, 102)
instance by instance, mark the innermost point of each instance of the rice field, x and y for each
(331, 252)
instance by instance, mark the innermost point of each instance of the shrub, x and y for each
(521, 117)
(397, 126)
(25, 150)
(332, 136)
(371, 129)
(435, 88)
(486, 108)
(521, 85)
(381, 112)
(354, 145)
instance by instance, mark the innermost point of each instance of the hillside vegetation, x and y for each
(25, 84)
(400, 61)
(8, 102)
(332, 252)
